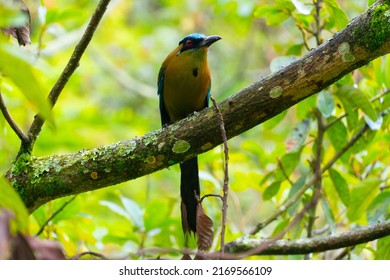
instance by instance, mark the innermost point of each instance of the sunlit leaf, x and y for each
(275, 14)
(280, 226)
(336, 14)
(305, 108)
(374, 125)
(379, 209)
(294, 189)
(297, 136)
(341, 186)
(325, 103)
(329, 215)
(352, 114)
(271, 190)
(118, 209)
(295, 49)
(301, 8)
(273, 122)
(361, 196)
(135, 212)
(338, 136)
(156, 213)
(9, 199)
(358, 99)
(15, 65)
(383, 249)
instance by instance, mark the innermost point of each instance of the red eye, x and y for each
(189, 43)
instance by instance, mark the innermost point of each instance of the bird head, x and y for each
(197, 41)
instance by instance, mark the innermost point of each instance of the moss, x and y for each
(21, 164)
(378, 27)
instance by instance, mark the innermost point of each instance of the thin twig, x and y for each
(210, 195)
(317, 172)
(19, 132)
(280, 164)
(317, 18)
(305, 41)
(55, 214)
(69, 69)
(226, 173)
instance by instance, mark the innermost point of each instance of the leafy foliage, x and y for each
(112, 97)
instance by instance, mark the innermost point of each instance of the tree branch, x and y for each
(310, 245)
(18, 131)
(71, 66)
(39, 180)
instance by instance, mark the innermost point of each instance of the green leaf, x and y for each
(336, 13)
(301, 8)
(361, 196)
(275, 14)
(10, 199)
(15, 65)
(379, 208)
(363, 142)
(118, 209)
(383, 249)
(135, 212)
(280, 226)
(338, 136)
(325, 103)
(341, 186)
(295, 49)
(297, 136)
(294, 189)
(156, 214)
(271, 190)
(358, 99)
(271, 123)
(352, 114)
(289, 162)
(329, 215)
(305, 108)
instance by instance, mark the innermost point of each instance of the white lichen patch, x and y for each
(160, 145)
(276, 92)
(181, 146)
(344, 51)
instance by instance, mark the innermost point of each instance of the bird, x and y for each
(184, 85)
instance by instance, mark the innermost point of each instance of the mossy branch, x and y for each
(39, 180)
(310, 245)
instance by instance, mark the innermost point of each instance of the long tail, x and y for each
(189, 190)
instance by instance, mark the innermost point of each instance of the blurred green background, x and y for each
(112, 97)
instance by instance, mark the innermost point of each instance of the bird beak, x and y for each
(208, 41)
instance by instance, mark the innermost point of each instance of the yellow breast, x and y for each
(186, 82)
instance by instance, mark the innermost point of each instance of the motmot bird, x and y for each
(184, 88)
